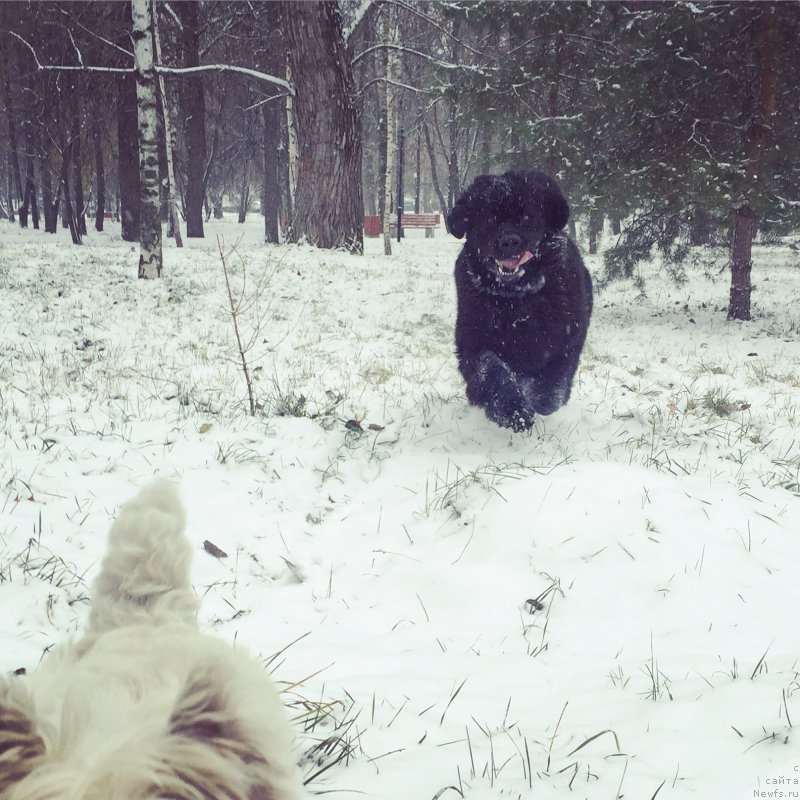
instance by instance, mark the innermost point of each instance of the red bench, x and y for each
(430, 222)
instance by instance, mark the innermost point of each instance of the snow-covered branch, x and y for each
(433, 23)
(408, 50)
(66, 67)
(161, 69)
(358, 19)
(382, 79)
(253, 73)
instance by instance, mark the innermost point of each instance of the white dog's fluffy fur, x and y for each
(144, 705)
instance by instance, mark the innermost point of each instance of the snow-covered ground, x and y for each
(604, 608)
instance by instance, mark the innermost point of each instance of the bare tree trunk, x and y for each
(14, 174)
(49, 204)
(453, 184)
(270, 191)
(127, 142)
(77, 159)
(766, 50)
(700, 230)
(329, 210)
(195, 116)
(445, 209)
(595, 229)
(29, 205)
(742, 264)
(99, 172)
(9, 190)
(150, 255)
(453, 173)
(552, 160)
(244, 195)
(67, 145)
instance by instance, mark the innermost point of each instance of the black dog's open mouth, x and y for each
(507, 267)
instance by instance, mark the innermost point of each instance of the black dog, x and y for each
(524, 297)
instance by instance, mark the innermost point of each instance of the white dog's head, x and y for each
(144, 706)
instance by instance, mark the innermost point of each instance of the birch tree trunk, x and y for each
(418, 172)
(291, 143)
(169, 138)
(391, 132)
(150, 256)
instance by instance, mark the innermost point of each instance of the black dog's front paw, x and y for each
(506, 416)
(495, 388)
(545, 400)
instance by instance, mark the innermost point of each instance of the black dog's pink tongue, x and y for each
(513, 264)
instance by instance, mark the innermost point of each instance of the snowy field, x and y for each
(603, 608)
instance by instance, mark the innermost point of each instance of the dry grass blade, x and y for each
(660, 785)
(760, 662)
(592, 738)
(450, 701)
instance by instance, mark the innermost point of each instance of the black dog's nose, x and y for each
(509, 244)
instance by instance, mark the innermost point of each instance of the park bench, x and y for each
(430, 222)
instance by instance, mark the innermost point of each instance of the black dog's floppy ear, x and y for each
(458, 218)
(554, 205)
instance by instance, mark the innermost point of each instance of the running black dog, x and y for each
(524, 297)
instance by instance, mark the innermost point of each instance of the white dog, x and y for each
(144, 705)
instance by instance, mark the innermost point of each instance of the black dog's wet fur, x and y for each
(519, 336)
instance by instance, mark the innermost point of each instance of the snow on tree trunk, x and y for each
(328, 210)
(150, 262)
